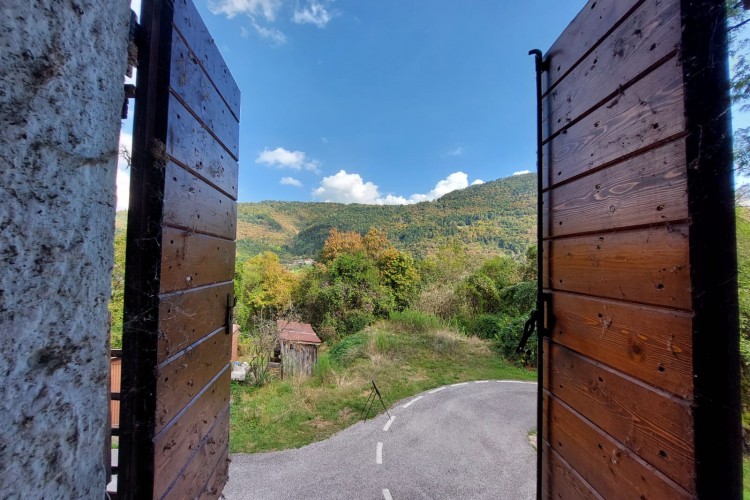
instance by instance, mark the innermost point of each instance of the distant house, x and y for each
(299, 348)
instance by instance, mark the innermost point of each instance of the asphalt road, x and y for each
(461, 441)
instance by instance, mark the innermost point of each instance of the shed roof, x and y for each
(297, 332)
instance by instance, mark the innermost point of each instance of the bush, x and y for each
(506, 332)
(518, 299)
(356, 321)
(349, 349)
(412, 321)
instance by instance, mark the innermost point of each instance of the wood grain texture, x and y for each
(646, 36)
(648, 189)
(186, 317)
(610, 468)
(649, 344)
(190, 144)
(563, 480)
(192, 86)
(192, 204)
(174, 444)
(649, 266)
(194, 477)
(642, 115)
(190, 25)
(585, 32)
(650, 424)
(219, 477)
(179, 381)
(191, 260)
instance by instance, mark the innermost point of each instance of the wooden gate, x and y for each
(641, 384)
(180, 261)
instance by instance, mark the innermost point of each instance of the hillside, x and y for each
(491, 217)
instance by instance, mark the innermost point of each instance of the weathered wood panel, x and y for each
(190, 203)
(183, 377)
(563, 480)
(191, 260)
(654, 425)
(611, 469)
(653, 345)
(193, 480)
(189, 316)
(641, 41)
(648, 189)
(649, 266)
(583, 34)
(640, 117)
(174, 445)
(639, 261)
(191, 85)
(189, 24)
(183, 221)
(190, 144)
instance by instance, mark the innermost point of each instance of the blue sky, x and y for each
(381, 101)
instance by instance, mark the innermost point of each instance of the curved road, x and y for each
(466, 440)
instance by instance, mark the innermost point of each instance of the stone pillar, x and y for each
(61, 89)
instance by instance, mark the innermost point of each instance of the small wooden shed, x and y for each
(299, 348)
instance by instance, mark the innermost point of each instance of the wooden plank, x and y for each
(190, 203)
(191, 85)
(651, 344)
(647, 189)
(220, 476)
(187, 317)
(563, 480)
(653, 425)
(193, 479)
(190, 144)
(188, 22)
(643, 115)
(583, 34)
(649, 34)
(191, 260)
(648, 266)
(176, 443)
(610, 468)
(179, 381)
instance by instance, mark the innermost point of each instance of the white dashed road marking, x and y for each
(412, 401)
(481, 381)
(388, 424)
(387, 494)
(379, 454)
(436, 390)
(460, 383)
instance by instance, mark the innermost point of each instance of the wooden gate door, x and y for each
(640, 395)
(180, 261)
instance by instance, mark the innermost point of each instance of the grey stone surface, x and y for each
(467, 441)
(61, 88)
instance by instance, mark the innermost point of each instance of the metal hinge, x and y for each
(231, 302)
(133, 41)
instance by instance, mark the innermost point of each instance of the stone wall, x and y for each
(61, 78)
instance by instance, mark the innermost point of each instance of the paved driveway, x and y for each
(462, 441)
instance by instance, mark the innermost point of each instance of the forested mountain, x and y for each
(491, 217)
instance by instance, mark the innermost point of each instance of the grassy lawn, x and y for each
(746, 478)
(403, 359)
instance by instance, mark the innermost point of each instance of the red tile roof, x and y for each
(297, 332)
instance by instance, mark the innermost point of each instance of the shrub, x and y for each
(356, 321)
(349, 349)
(518, 299)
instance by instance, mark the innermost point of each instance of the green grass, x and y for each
(746, 478)
(403, 358)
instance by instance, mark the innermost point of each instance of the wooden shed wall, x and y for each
(640, 366)
(298, 358)
(180, 261)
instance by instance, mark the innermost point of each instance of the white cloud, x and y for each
(313, 13)
(351, 188)
(123, 172)
(283, 158)
(276, 36)
(477, 182)
(252, 8)
(521, 172)
(324, 140)
(347, 188)
(457, 151)
(290, 181)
